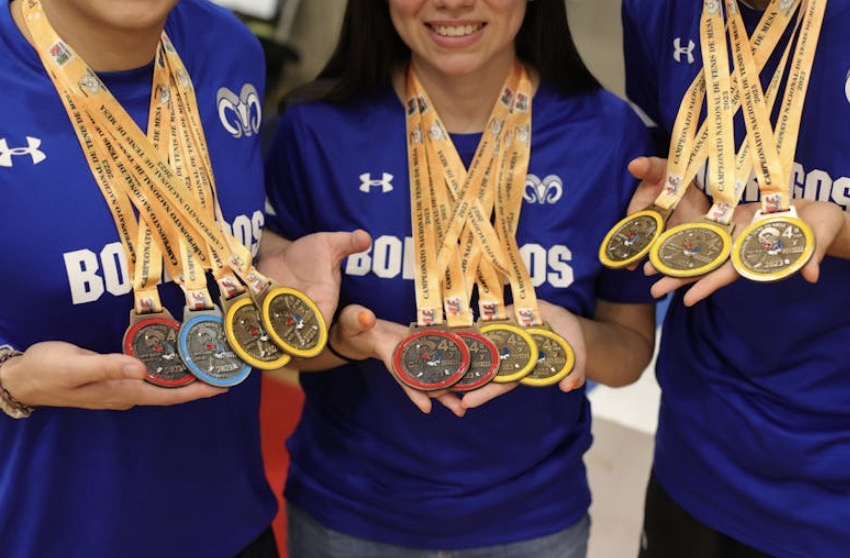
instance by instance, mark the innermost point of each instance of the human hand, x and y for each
(358, 334)
(565, 324)
(59, 374)
(826, 220)
(311, 264)
(652, 173)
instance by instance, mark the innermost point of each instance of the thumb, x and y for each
(346, 243)
(101, 368)
(648, 169)
(354, 320)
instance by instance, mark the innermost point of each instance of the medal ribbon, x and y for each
(689, 150)
(152, 185)
(774, 154)
(509, 190)
(460, 198)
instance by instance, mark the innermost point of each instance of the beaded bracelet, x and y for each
(9, 404)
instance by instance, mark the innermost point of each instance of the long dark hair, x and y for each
(369, 50)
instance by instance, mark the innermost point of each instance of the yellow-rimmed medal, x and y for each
(631, 239)
(692, 249)
(555, 359)
(247, 335)
(516, 348)
(774, 246)
(294, 321)
(777, 243)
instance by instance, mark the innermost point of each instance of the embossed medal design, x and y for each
(431, 359)
(517, 350)
(294, 322)
(153, 340)
(483, 361)
(631, 238)
(773, 248)
(555, 358)
(203, 345)
(247, 335)
(691, 249)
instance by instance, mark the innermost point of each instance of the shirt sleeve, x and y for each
(290, 206)
(641, 66)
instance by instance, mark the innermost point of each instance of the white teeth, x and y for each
(456, 31)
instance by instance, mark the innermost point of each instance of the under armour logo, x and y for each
(680, 50)
(385, 183)
(32, 149)
(547, 191)
(240, 115)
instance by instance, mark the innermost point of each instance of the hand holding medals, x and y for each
(458, 248)
(777, 243)
(167, 176)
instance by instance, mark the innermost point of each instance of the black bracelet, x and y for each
(337, 354)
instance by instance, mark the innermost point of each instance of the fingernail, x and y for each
(363, 318)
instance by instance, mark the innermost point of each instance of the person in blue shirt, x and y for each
(381, 469)
(108, 465)
(752, 452)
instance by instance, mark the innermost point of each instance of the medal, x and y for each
(152, 338)
(516, 349)
(483, 361)
(774, 246)
(247, 336)
(632, 237)
(691, 249)
(294, 322)
(555, 358)
(429, 359)
(203, 346)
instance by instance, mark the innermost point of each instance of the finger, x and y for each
(420, 399)
(355, 319)
(101, 368)
(649, 269)
(648, 169)
(710, 283)
(573, 381)
(811, 271)
(821, 229)
(344, 243)
(482, 395)
(667, 285)
(123, 394)
(451, 402)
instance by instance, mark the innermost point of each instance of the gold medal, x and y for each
(517, 350)
(294, 322)
(774, 246)
(247, 335)
(632, 237)
(555, 359)
(692, 249)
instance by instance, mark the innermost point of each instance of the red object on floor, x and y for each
(280, 409)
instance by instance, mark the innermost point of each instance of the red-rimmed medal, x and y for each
(484, 361)
(153, 339)
(430, 358)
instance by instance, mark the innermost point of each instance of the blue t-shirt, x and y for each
(754, 430)
(178, 481)
(365, 460)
